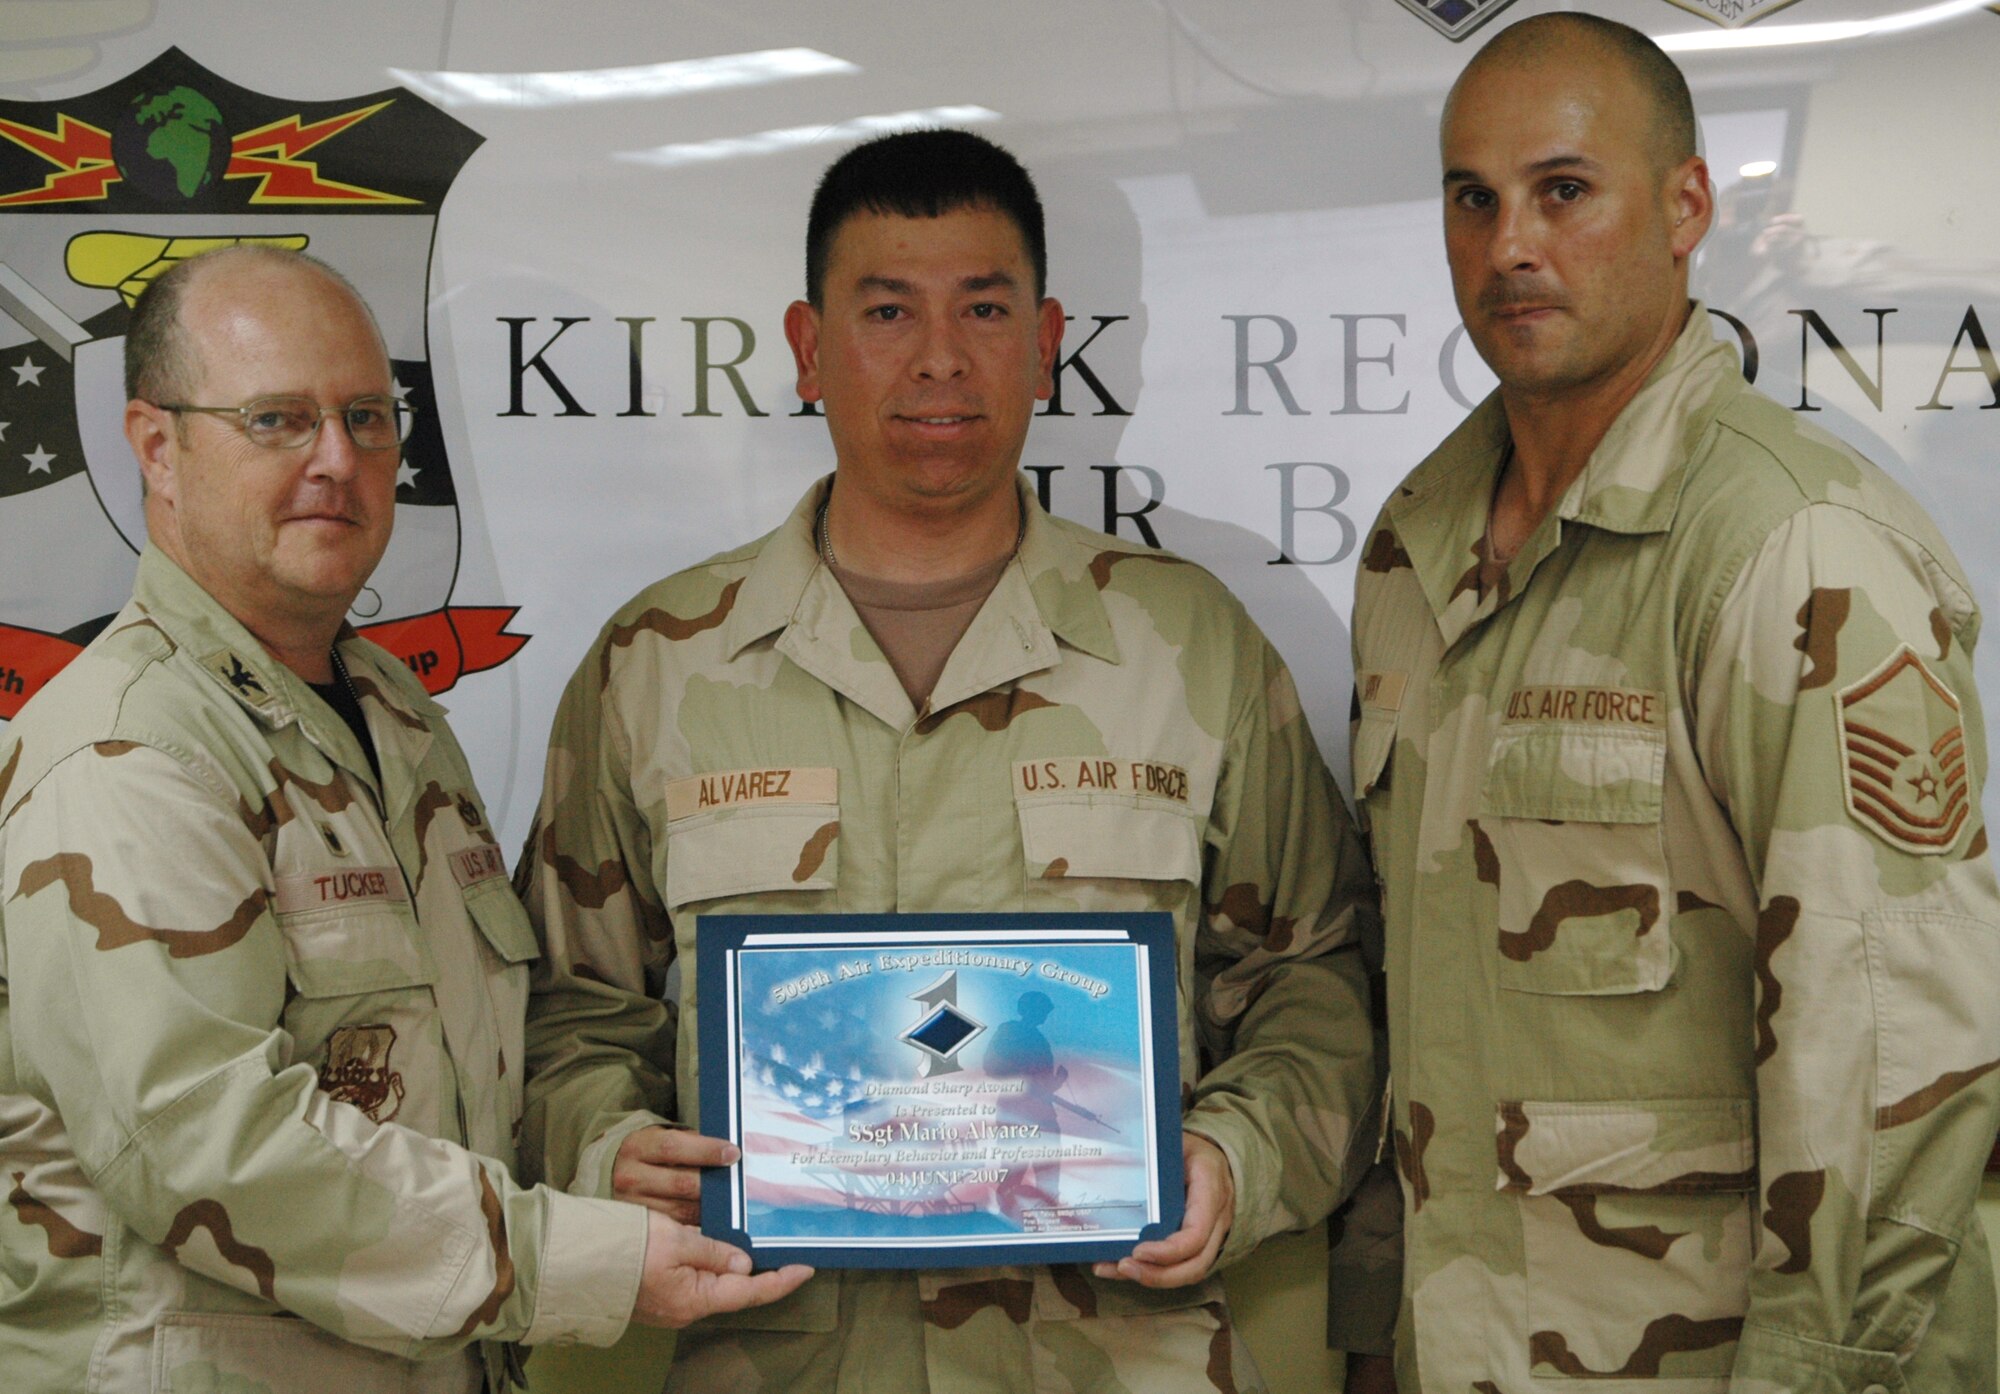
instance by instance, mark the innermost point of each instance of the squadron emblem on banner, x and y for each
(1454, 18)
(1733, 14)
(1457, 18)
(100, 193)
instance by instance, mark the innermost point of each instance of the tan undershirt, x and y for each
(917, 624)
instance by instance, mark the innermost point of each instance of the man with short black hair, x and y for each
(1671, 760)
(260, 1022)
(911, 640)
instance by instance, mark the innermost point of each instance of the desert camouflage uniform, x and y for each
(260, 1054)
(1090, 653)
(1693, 955)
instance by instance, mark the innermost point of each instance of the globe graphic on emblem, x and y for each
(171, 145)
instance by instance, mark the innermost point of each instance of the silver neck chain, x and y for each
(340, 671)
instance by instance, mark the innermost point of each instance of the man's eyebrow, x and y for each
(893, 285)
(1565, 160)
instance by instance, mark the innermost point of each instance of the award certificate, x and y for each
(933, 1091)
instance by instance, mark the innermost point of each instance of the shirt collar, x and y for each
(1634, 479)
(1055, 570)
(272, 693)
(1631, 484)
(217, 640)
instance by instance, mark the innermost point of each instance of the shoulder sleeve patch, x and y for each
(1902, 756)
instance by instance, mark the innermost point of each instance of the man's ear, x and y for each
(154, 435)
(1048, 343)
(1692, 201)
(802, 333)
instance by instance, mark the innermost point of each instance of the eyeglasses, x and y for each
(286, 423)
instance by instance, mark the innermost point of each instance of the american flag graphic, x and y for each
(835, 1141)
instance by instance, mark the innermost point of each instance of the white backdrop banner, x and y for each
(580, 226)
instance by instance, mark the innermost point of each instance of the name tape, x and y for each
(732, 788)
(1382, 691)
(320, 890)
(1602, 706)
(476, 864)
(1098, 774)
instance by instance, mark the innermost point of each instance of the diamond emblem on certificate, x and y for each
(943, 1031)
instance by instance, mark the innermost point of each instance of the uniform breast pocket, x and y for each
(510, 941)
(1636, 1229)
(1569, 835)
(361, 1011)
(1108, 852)
(778, 850)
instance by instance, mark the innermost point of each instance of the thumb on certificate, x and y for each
(688, 1276)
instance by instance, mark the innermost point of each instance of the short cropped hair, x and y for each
(1658, 77)
(923, 174)
(162, 365)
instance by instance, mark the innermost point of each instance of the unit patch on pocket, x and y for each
(357, 1070)
(1902, 756)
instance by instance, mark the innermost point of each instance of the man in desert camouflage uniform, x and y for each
(263, 975)
(962, 704)
(1671, 758)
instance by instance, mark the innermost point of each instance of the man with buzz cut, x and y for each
(1671, 758)
(261, 973)
(916, 635)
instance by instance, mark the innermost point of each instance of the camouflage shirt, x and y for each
(1692, 948)
(260, 1040)
(1089, 650)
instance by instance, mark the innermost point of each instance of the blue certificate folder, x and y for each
(940, 1091)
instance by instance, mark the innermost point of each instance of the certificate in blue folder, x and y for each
(933, 1091)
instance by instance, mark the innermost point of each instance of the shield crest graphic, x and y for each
(101, 192)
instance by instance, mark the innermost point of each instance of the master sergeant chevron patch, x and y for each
(1902, 755)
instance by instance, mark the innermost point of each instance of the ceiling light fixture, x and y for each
(792, 137)
(645, 82)
(1826, 32)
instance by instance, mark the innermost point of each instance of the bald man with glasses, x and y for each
(262, 975)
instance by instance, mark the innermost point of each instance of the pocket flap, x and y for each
(1109, 835)
(1666, 1147)
(258, 1352)
(1374, 739)
(498, 913)
(365, 950)
(1577, 774)
(739, 851)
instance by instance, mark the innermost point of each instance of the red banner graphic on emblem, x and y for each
(446, 644)
(440, 647)
(29, 658)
